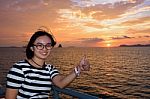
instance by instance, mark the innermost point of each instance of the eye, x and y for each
(40, 45)
(48, 45)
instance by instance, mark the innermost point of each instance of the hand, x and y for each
(84, 64)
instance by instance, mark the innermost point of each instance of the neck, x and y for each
(38, 64)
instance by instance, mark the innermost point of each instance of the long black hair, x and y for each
(29, 52)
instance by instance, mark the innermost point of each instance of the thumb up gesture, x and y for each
(84, 64)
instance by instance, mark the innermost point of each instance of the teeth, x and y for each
(44, 53)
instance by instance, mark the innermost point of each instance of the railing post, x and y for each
(55, 94)
(2, 92)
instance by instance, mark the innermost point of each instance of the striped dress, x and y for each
(31, 82)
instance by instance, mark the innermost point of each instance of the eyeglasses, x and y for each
(41, 46)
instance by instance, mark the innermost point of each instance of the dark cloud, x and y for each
(145, 36)
(122, 37)
(91, 40)
(148, 36)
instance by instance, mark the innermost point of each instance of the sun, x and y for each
(108, 45)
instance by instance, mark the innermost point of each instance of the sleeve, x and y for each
(53, 71)
(15, 77)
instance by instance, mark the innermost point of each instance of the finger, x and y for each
(87, 66)
(83, 60)
(82, 68)
(84, 57)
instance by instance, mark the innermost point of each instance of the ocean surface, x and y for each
(116, 73)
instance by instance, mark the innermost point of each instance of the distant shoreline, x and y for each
(136, 45)
(10, 47)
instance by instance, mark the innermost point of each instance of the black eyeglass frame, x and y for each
(41, 46)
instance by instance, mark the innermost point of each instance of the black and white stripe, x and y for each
(31, 82)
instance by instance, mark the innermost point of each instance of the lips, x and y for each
(44, 53)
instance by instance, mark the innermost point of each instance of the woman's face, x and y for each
(42, 47)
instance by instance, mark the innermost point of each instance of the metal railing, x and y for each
(2, 92)
(71, 92)
(66, 91)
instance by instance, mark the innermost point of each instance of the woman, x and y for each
(32, 78)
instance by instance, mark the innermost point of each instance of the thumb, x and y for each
(83, 60)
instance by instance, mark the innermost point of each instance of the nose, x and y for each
(44, 47)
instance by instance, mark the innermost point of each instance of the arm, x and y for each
(62, 82)
(14, 80)
(11, 93)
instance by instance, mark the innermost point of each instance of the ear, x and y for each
(31, 48)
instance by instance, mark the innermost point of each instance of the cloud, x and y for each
(141, 8)
(122, 37)
(148, 36)
(145, 36)
(146, 31)
(83, 42)
(24, 13)
(109, 10)
(136, 21)
(23, 5)
(26, 5)
(91, 40)
(73, 19)
(136, 31)
(94, 25)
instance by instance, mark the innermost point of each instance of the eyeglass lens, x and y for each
(41, 46)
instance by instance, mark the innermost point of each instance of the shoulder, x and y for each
(52, 70)
(20, 64)
(50, 67)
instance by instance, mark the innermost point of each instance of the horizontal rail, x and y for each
(66, 91)
(70, 92)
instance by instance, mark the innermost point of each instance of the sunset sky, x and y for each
(82, 23)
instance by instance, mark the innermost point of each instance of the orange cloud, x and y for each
(110, 11)
(136, 31)
(137, 21)
(71, 20)
(92, 24)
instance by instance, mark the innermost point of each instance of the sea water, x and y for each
(121, 72)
